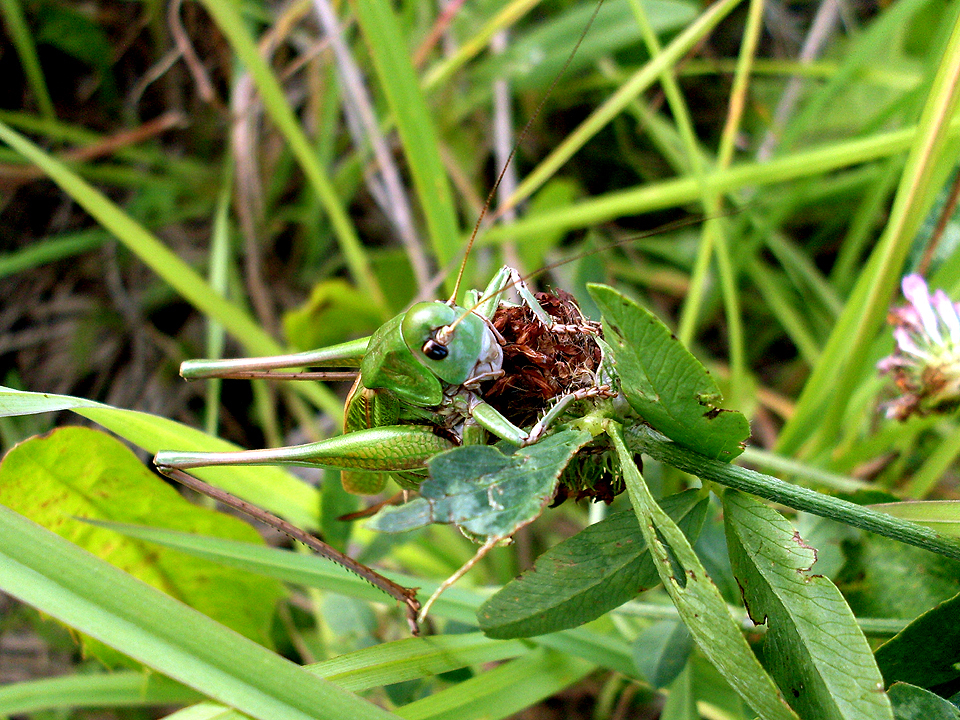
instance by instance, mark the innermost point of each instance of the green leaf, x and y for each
(661, 652)
(335, 310)
(76, 473)
(825, 679)
(271, 487)
(74, 33)
(913, 703)
(681, 703)
(43, 570)
(483, 491)
(585, 576)
(699, 603)
(885, 578)
(664, 383)
(926, 652)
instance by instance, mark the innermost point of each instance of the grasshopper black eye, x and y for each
(434, 350)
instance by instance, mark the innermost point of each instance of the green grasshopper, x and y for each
(415, 395)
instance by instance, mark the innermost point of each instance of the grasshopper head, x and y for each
(450, 355)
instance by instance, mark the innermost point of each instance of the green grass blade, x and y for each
(414, 658)
(187, 169)
(400, 84)
(503, 691)
(404, 660)
(27, 53)
(184, 279)
(457, 603)
(228, 19)
(49, 573)
(116, 689)
(840, 368)
(270, 487)
(51, 249)
(600, 117)
(143, 244)
(681, 191)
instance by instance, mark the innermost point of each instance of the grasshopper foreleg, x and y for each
(450, 581)
(542, 425)
(543, 316)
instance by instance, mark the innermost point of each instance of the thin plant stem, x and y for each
(646, 440)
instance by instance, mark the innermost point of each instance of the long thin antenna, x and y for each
(675, 225)
(328, 375)
(516, 146)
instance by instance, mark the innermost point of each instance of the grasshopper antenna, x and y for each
(516, 146)
(406, 596)
(328, 375)
(675, 225)
(660, 230)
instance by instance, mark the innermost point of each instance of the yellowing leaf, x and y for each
(76, 473)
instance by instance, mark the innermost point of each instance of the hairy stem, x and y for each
(642, 438)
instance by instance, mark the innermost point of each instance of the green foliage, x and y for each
(585, 576)
(612, 30)
(925, 652)
(697, 599)
(104, 480)
(664, 383)
(74, 33)
(913, 703)
(942, 515)
(277, 489)
(883, 578)
(773, 569)
(662, 651)
(335, 310)
(781, 292)
(96, 598)
(484, 492)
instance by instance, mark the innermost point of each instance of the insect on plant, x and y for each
(491, 405)
(416, 394)
(436, 406)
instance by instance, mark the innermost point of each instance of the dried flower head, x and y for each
(926, 362)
